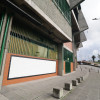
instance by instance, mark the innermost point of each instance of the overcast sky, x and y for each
(91, 9)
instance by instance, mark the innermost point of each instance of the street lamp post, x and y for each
(96, 19)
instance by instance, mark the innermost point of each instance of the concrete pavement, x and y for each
(39, 89)
(2, 97)
(89, 89)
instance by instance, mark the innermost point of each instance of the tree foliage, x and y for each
(93, 58)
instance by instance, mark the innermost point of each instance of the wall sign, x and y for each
(24, 67)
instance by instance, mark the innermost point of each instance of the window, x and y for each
(64, 8)
(68, 56)
(24, 42)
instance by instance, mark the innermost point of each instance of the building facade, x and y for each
(39, 38)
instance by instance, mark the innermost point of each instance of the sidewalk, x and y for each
(89, 89)
(38, 89)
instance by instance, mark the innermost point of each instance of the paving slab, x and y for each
(40, 89)
(88, 90)
(2, 97)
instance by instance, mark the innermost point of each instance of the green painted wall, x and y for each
(4, 40)
(68, 58)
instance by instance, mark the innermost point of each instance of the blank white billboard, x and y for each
(23, 67)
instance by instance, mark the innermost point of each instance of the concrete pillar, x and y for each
(3, 29)
(74, 54)
(60, 59)
(76, 59)
(5, 49)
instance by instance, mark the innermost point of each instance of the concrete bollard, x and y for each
(68, 86)
(89, 70)
(58, 92)
(74, 82)
(98, 71)
(79, 80)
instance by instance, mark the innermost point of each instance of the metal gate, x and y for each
(68, 58)
(67, 67)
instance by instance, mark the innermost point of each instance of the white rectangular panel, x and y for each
(23, 67)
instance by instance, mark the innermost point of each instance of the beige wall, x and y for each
(68, 2)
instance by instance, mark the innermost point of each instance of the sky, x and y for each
(91, 10)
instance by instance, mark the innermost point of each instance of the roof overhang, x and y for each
(58, 32)
(80, 45)
(74, 3)
(82, 22)
(47, 27)
(79, 38)
(75, 25)
(79, 25)
(82, 37)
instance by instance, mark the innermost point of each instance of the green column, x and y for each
(1, 23)
(4, 42)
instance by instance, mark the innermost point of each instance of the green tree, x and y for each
(93, 58)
